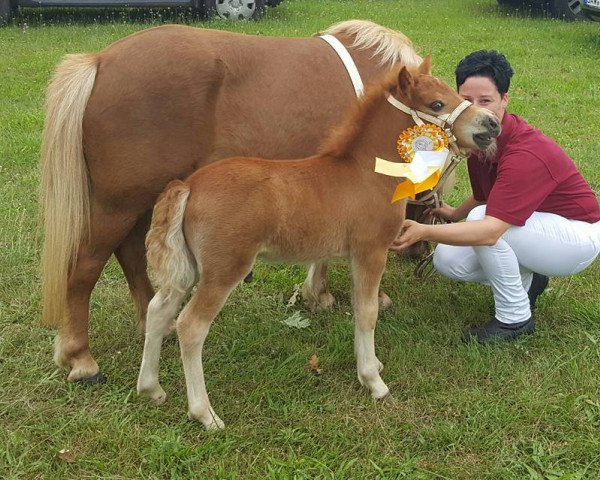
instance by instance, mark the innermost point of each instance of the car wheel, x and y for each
(273, 3)
(566, 9)
(235, 9)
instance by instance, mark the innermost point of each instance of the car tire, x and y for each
(273, 3)
(566, 9)
(234, 10)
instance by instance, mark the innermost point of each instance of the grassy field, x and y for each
(526, 410)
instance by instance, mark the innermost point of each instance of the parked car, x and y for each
(592, 9)
(565, 9)
(227, 9)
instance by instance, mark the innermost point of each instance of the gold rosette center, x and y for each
(426, 137)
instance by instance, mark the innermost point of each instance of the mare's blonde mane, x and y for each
(390, 46)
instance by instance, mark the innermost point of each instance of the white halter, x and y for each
(347, 61)
(445, 121)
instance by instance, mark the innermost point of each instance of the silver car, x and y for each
(592, 9)
(227, 9)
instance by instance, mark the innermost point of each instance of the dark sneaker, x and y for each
(495, 330)
(538, 285)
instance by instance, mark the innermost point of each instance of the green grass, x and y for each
(526, 410)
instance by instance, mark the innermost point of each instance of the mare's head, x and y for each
(434, 101)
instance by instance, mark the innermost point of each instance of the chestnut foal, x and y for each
(209, 229)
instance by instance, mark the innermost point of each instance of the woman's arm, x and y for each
(477, 232)
(457, 214)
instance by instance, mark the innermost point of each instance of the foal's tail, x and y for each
(65, 186)
(169, 257)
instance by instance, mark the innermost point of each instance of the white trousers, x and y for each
(547, 244)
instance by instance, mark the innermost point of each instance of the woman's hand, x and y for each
(445, 212)
(411, 232)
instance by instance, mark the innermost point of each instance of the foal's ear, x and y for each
(425, 67)
(405, 80)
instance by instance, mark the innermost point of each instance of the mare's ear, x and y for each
(405, 80)
(425, 67)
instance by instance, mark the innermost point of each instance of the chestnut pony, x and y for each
(208, 230)
(155, 106)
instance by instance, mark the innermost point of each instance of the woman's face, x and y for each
(481, 91)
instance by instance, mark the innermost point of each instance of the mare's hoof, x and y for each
(97, 379)
(248, 278)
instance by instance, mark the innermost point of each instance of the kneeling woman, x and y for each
(531, 215)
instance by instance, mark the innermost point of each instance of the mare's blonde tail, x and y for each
(169, 258)
(65, 186)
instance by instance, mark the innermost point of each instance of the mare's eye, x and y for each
(436, 106)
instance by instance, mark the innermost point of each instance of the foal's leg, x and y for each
(367, 270)
(161, 315)
(131, 255)
(192, 328)
(314, 289)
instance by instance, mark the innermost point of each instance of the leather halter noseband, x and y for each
(445, 121)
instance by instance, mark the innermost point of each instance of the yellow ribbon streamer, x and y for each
(423, 173)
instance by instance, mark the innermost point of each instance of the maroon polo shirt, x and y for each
(530, 173)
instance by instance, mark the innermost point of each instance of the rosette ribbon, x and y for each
(423, 173)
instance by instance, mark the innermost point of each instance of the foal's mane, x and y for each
(341, 139)
(390, 46)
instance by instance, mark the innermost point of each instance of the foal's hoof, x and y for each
(321, 303)
(387, 399)
(248, 278)
(381, 395)
(158, 398)
(210, 420)
(385, 302)
(97, 379)
(154, 393)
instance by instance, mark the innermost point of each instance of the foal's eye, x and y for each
(436, 106)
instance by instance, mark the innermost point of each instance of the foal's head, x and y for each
(420, 95)
(474, 128)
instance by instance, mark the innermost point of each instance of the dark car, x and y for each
(227, 9)
(565, 9)
(592, 9)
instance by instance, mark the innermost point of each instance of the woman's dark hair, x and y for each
(485, 63)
